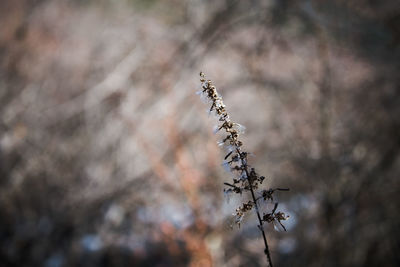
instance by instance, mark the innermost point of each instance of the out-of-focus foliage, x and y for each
(107, 157)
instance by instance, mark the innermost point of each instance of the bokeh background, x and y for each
(107, 156)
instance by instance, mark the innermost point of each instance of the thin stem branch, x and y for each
(266, 251)
(239, 161)
(260, 226)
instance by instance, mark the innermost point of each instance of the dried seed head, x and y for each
(235, 161)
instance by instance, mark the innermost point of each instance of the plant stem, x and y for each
(266, 251)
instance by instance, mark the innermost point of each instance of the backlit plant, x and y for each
(245, 178)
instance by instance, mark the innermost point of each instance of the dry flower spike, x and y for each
(245, 178)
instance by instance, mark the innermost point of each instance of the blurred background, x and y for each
(107, 156)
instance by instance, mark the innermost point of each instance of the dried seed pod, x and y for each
(236, 162)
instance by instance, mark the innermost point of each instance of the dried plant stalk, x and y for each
(245, 178)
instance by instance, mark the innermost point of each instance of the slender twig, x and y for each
(236, 160)
(266, 251)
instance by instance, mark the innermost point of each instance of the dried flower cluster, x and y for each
(245, 178)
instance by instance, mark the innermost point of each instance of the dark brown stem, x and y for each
(232, 138)
(266, 251)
